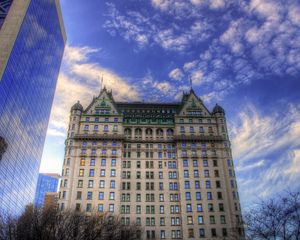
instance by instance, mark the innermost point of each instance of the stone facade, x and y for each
(167, 167)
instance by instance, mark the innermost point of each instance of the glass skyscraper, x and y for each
(47, 182)
(32, 40)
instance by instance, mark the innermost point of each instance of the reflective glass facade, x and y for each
(46, 183)
(26, 93)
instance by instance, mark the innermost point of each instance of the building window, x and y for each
(113, 162)
(90, 183)
(202, 233)
(80, 183)
(92, 162)
(200, 220)
(112, 184)
(199, 207)
(103, 162)
(101, 196)
(209, 196)
(185, 163)
(187, 184)
(189, 208)
(102, 173)
(111, 208)
(82, 162)
(89, 207)
(113, 173)
(162, 234)
(161, 209)
(111, 196)
(191, 233)
(213, 232)
(101, 184)
(222, 219)
(100, 207)
(92, 172)
(189, 220)
(187, 196)
(81, 172)
(78, 195)
(89, 195)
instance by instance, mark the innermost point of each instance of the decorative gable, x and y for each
(193, 106)
(103, 104)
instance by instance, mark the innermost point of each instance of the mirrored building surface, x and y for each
(47, 183)
(32, 41)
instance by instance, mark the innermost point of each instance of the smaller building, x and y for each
(51, 200)
(47, 183)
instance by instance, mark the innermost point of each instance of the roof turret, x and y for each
(77, 106)
(218, 109)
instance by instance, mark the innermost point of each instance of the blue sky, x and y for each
(244, 55)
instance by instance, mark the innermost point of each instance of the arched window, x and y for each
(138, 132)
(127, 132)
(159, 132)
(149, 132)
(170, 132)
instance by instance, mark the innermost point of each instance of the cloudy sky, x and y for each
(244, 55)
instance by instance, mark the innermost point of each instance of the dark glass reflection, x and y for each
(26, 94)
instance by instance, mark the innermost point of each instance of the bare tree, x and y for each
(275, 219)
(53, 224)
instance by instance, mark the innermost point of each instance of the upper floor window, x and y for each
(105, 128)
(87, 119)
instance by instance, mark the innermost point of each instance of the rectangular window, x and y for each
(89, 195)
(103, 162)
(92, 172)
(111, 207)
(199, 207)
(81, 172)
(101, 184)
(92, 162)
(100, 207)
(101, 196)
(209, 196)
(111, 196)
(90, 183)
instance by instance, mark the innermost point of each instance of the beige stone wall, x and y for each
(10, 29)
(208, 157)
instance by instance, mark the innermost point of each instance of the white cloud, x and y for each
(217, 4)
(176, 74)
(78, 54)
(266, 151)
(189, 65)
(164, 87)
(197, 77)
(79, 80)
(256, 135)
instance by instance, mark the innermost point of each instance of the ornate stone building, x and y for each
(166, 166)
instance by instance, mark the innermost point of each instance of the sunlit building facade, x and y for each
(165, 166)
(32, 40)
